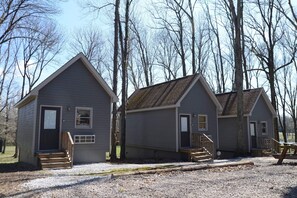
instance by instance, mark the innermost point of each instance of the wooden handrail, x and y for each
(68, 145)
(201, 140)
(207, 144)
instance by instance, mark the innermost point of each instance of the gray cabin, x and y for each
(258, 119)
(171, 119)
(68, 113)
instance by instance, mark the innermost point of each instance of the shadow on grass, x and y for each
(16, 167)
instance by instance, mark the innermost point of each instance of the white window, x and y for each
(202, 123)
(83, 117)
(264, 127)
(84, 139)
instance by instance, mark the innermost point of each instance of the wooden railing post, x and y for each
(68, 145)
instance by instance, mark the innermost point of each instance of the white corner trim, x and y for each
(176, 130)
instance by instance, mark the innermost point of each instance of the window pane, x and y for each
(263, 127)
(202, 122)
(202, 118)
(184, 124)
(50, 119)
(252, 126)
(83, 113)
(202, 125)
(83, 117)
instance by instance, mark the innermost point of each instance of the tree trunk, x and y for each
(115, 80)
(237, 20)
(125, 59)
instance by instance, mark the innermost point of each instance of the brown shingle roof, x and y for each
(163, 94)
(229, 104)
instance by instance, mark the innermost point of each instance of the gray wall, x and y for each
(260, 113)
(25, 138)
(76, 87)
(228, 133)
(197, 102)
(152, 130)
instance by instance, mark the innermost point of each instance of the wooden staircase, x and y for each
(54, 160)
(197, 154)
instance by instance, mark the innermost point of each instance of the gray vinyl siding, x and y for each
(76, 87)
(25, 138)
(261, 113)
(152, 129)
(196, 102)
(228, 134)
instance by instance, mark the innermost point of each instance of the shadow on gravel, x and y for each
(37, 191)
(287, 164)
(16, 167)
(292, 192)
(144, 161)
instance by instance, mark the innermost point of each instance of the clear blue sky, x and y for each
(71, 18)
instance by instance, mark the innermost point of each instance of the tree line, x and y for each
(235, 45)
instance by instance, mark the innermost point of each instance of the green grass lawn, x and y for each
(7, 157)
(118, 153)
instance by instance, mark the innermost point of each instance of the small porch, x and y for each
(58, 159)
(201, 150)
(264, 147)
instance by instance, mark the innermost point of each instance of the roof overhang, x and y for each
(25, 100)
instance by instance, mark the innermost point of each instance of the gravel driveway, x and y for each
(264, 179)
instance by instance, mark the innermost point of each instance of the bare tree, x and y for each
(115, 79)
(15, 16)
(166, 57)
(125, 51)
(144, 53)
(172, 18)
(288, 11)
(90, 42)
(265, 37)
(188, 8)
(38, 49)
(216, 49)
(291, 90)
(236, 14)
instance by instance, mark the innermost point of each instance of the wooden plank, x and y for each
(283, 155)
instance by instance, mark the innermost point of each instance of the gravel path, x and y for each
(264, 179)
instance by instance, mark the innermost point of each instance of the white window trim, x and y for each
(79, 137)
(266, 127)
(91, 118)
(206, 122)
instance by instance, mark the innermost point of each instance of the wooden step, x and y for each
(203, 160)
(56, 165)
(190, 150)
(54, 160)
(198, 153)
(50, 155)
(201, 157)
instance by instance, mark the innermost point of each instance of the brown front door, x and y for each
(253, 134)
(50, 128)
(185, 130)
